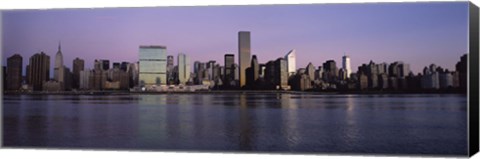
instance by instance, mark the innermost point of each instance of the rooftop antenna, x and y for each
(59, 45)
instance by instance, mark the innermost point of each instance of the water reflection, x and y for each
(241, 122)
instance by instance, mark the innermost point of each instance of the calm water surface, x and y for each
(259, 122)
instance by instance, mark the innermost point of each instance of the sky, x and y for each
(416, 33)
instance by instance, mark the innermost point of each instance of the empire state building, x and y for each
(59, 71)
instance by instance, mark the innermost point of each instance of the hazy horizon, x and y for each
(416, 33)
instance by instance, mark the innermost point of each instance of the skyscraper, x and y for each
(169, 62)
(310, 71)
(229, 72)
(255, 68)
(78, 66)
(152, 65)
(124, 66)
(59, 71)
(39, 70)
(291, 64)
(346, 65)
(243, 55)
(14, 72)
(105, 64)
(253, 72)
(462, 68)
(183, 68)
(170, 77)
(281, 74)
(331, 70)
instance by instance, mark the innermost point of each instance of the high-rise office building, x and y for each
(311, 71)
(124, 66)
(255, 68)
(291, 62)
(281, 74)
(78, 66)
(183, 68)
(243, 55)
(171, 79)
(105, 64)
(14, 72)
(331, 70)
(169, 62)
(346, 65)
(462, 67)
(83, 79)
(59, 71)
(236, 69)
(152, 65)
(133, 74)
(39, 70)
(210, 69)
(228, 68)
(253, 72)
(196, 65)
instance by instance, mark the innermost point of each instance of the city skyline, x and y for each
(418, 45)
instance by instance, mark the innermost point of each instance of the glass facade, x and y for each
(291, 65)
(152, 65)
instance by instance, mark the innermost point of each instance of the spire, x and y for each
(59, 46)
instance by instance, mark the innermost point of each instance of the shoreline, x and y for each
(240, 91)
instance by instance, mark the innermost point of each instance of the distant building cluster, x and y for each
(155, 70)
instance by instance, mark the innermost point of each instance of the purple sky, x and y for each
(416, 33)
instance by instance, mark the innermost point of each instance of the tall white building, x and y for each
(58, 70)
(291, 65)
(152, 65)
(346, 65)
(183, 68)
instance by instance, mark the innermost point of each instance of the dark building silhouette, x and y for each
(105, 64)
(300, 82)
(229, 71)
(243, 55)
(116, 65)
(331, 71)
(170, 64)
(319, 73)
(270, 74)
(281, 74)
(393, 83)
(372, 75)
(398, 69)
(253, 72)
(27, 70)
(124, 66)
(461, 68)
(78, 65)
(39, 70)
(14, 72)
(4, 79)
(414, 81)
(68, 79)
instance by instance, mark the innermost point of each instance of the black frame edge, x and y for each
(473, 113)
